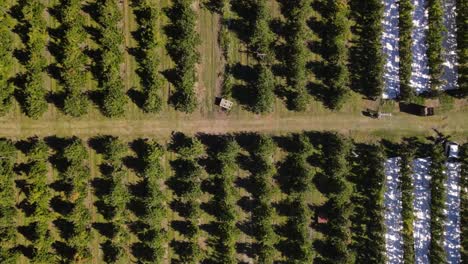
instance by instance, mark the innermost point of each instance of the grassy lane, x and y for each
(398, 125)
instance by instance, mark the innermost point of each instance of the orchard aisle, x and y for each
(393, 218)
(452, 224)
(450, 45)
(420, 67)
(422, 222)
(390, 40)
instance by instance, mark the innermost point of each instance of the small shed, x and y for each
(226, 104)
(428, 108)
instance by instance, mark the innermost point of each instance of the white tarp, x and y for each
(452, 211)
(390, 45)
(393, 219)
(422, 211)
(450, 45)
(420, 67)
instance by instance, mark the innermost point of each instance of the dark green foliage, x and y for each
(73, 60)
(462, 41)
(149, 45)
(297, 228)
(261, 36)
(263, 212)
(7, 202)
(339, 207)
(335, 39)
(464, 203)
(215, 5)
(77, 173)
(335, 164)
(405, 24)
(368, 59)
(264, 86)
(368, 217)
(112, 39)
(299, 173)
(117, 198)
(438, 198)
(339, 234)
(407, 199)
(297, 13)
(114, 151)
(6, 59)
(183, 42)
(38, 197)
(435, 49)
(187, 180)
(154, 235)
(260, 42)
(187, 147)
(34, 92)
(224, 201)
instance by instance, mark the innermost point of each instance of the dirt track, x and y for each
(400, 125)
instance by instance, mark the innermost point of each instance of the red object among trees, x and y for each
(322, 220)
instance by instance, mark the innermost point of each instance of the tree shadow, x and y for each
(242, 26)
(178, 183)
(246, 227)
(243, 72)
(142, 252)
(138, 97)
(183, 227)
(321, 93)
(137, 206)
(98, 143)
(141, 53)
(28, 231)
(322, 250)
(57, 98)
(65, 251)
(246, 183)
(65, 227)
(26, 207)
(27, 251)
(211, 166)
(180, 207)
(58, 145)
(247, 140)
(182, 249)
(107, 230)
(111, 252)
(25, 146)
(323, 183)
(134, 163)
(214, 6)
(139, 146)
(92, 9)
(391, 148)
(61, 206)
(213, 143)
(211, 228)
(107, 211)
(171, 76)
(246, 248)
